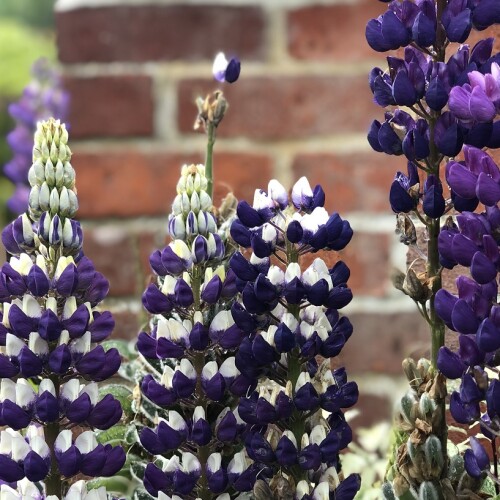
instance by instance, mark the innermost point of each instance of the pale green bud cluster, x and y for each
(52, 178)
(192, 191)
(192, 209)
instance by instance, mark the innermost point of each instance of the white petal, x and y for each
(86, 442)
(209, 370)
(13, 345)
(47, 385)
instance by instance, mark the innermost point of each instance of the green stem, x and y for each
(203, 452)
(209, 170)
(53, 482)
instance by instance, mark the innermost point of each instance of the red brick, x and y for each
(333, 32)
(135, 182)
(113, 253)
(110, 106)
(380, 342)
(352, 182)
(367, 256)
(159, 32)
(371, 409)
(126, 325)
(287, 107)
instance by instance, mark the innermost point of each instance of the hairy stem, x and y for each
(54, 481)
(209, 169)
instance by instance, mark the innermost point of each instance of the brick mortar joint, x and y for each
(67, 5)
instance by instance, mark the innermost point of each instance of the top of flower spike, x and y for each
(192, 179)
(52, 178)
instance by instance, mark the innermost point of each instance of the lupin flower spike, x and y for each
(51, 357)
(192, 380)
(289, 313)
(440, 104)
(42, 97)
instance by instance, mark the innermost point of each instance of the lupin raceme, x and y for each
(51, 358)
(288, 310)
(190, 351)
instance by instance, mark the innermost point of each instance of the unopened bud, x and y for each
(428, 491)
(210, 110)
(434, 455)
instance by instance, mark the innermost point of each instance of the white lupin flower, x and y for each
(228, 368)
(214, 462)
(168, 286)
(300, 190)
(238, 463)
(321, 492)
(291, 436)
(219, 66)
(209, 370)
(222, 321)
(166, 377)
(38, 445)
(269, 233)
(31, 307)
(302, 489)
(318, 434)
(81, 345)
(186, 368)
(269, 335)
(25, 395)
(199, 413)
(13, 345)
(70, 306)
(277, 192)
(21, 264)
(37, 345)
(190, 463)
(86, 442)
(276, 275)
(302, 380)
(292, 271)
(47, 385)
(51, 303)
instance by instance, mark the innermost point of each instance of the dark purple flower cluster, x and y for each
(290, 316)
(43, 97)
(194, 381)
(51, 333)
(426, 86)
(474, 313)
(410, 22)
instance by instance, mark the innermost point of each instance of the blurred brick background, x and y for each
(301, 107)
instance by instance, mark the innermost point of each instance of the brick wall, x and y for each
(301, 107)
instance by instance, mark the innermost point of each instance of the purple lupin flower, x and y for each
(289, 314)
(448, 101)
(42, 98)
(190, 350)
(51, 333)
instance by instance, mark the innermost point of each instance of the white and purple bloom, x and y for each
(51, 333)
(224, 70)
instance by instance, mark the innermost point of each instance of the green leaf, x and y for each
(122, 346)
(116, 484)
(488, 487)
(142, 494)
(121, 393)
(137, 470)
(19, 47)
(114, 436)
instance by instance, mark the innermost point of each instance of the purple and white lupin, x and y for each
(50, 332)
(289, 313)
(42, 98)
(190, 350)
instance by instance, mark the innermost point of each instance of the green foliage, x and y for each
(20, 46)
(38, 13)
